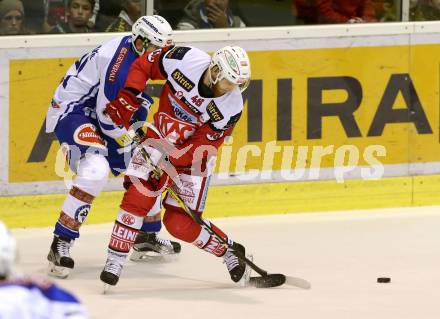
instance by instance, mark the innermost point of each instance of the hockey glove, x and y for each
(164, 173)
(159, 183)
(121, 109)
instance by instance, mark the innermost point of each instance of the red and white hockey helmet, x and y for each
(7, 251)
(153, 30)
(234, 66)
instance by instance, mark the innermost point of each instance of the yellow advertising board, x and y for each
(31, 151)
(314, 100)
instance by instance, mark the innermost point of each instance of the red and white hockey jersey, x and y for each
(185, 117)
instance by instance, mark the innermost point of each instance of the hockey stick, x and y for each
(266, 280)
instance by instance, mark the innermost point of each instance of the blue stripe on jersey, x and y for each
(55, 293)
(118, 68)
(140, 115)
(52, 293)
(107, 127)
(81, 63)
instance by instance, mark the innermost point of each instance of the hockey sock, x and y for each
(151, 227)
(75, 209)
(210, 243)
(152, 224)
(124, 233)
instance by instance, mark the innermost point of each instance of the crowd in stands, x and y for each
(82, 16)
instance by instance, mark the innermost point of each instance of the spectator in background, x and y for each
(305, 11)
(335, 11)
(12, 18)
(385, 10)
(55, 12)
(35, 15)
(171, 10)
(131, 11)
(346, 11)
(108, 12)
(78, 15)
(424, 10)
(205, 14)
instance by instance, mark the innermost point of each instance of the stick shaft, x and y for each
(212, 232)
(157, 171)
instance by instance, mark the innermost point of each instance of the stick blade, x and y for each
(298, 282)
(269, 281)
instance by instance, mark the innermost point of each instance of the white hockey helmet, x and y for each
(152, 29)
(234, 66)
(7, 251)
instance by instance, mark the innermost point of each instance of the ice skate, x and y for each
(240, 272)
(111, 272)
(59, 258)
(149, 245)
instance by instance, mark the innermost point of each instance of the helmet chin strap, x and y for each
(145, 43)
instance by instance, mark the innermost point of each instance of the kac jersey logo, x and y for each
(128, 219)
(174, 130)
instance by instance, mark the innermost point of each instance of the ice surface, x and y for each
(340, 253)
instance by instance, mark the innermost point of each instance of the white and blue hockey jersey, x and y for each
(30, 299)
(93, 81)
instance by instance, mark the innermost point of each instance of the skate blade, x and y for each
(106, 289)
(57, 271)
(244, 281)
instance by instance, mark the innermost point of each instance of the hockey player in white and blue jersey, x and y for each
(31, 298)
(94, 145)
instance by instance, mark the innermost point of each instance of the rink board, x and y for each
(392, 82)
(249, 200)
(382, 80)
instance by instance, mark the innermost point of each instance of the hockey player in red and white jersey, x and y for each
(199, 105)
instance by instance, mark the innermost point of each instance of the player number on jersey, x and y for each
(197, 100)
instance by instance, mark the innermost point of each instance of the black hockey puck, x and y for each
(383, 280)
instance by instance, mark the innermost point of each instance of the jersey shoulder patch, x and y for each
(214, 113)
(224, 125)
(232, 120)
(227, 113)
(182, 80)
(177, 53)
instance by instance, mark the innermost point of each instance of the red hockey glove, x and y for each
(161, 183)
(122, 108)
(170, 174)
